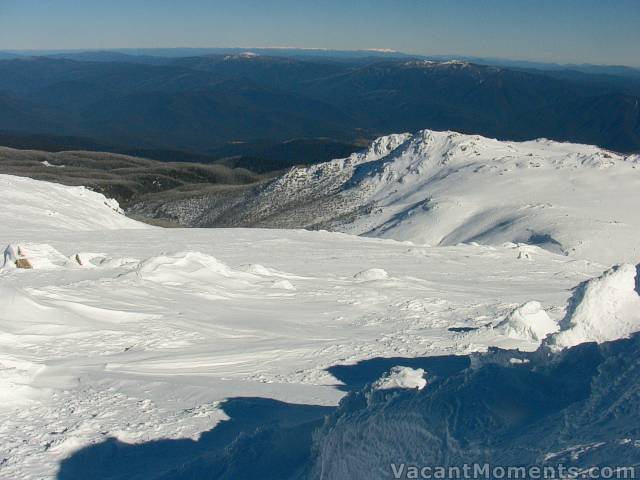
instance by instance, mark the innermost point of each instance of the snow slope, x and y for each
(42, 205)
(134, 333)
(444, 188)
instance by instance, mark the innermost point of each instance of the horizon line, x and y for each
(319, 49)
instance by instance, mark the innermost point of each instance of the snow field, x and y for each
(145, 339)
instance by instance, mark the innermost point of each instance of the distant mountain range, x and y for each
(163, 104)
(162, 55)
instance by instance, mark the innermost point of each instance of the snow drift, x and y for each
(528, 322)
(371, 275)
(203, 273)
(24, 314)
(601, 309)
(183, 266)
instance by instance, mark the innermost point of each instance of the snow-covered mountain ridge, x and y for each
(445, 188)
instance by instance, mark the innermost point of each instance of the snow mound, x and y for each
(34, 256)
(528, 322)
(256, 269)
(16, 302)
(21, 313)
(401, 377)
(184, 267)
(283, 284)
(371, 274)
(601, 309)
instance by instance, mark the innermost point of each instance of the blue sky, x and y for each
(565, 31)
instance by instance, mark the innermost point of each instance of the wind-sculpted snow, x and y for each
(372, 274)
(564, 413)
(139, 344)
(184, 266)
(401, 377)
(444, 188)
(528, 322)
(602, 309)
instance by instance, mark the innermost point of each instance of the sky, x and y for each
(561, 31)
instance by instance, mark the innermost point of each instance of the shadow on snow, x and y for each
(274, 437)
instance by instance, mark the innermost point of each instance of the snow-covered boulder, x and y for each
(255, 269)
(528, 322)
(282, 285)
(94, 260)
(184, 266)
(401, 377)
(371, 274)
(601, 309)
(15, 258)
(34, 256)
